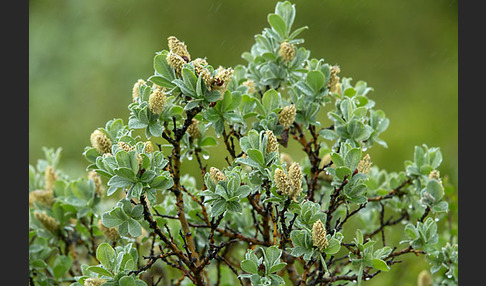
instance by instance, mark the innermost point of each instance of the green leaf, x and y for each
(99, 270)
(127, 281)
(218, 207)
(256, 156)
(249, 266)
(435, 189)
(278, 24)
(134, 228)
(270, 100)
(328, 134)
(61, 265)
(208, 141)
(162, 183)
(119, 182)
(380, 265)
(106, 255)
(277, 267)
(333, 247)
(316, 80)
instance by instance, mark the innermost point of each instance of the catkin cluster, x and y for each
(272, 143)
(216, 175)
(289, 184)
(364, 165)
(287, 51)
(100, 142)
(286, 116)
(319, 238)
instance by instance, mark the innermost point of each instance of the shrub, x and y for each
(262, 219)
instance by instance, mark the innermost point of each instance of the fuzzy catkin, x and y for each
(250, 84)
(99, 189)
(136, 90)
(149, 147)
(295, 177)
(47, 221)
(193, 129)
(222, 79)
(287, 51)
(179, 48)
(100, 142)
(94, 282)
(287, 159)
(156, 101)
(272, 142)
(109, 232)
(333, 83)
(364, 165)
(216, 175)
(319, 239)
(282, 182)
(43, 197)
(50, 178)
(424, 278)
(125, 146)
(435, 175)
(286, 116)
(175, 61)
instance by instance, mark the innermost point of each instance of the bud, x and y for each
(47, 221)
(94, 282)
(109, 232)
(424, 279)
(136, 91)
(319, 239)
(44, 197)
(50, 178)
(149, 147)
(295, 176)
(250, 84)
(333, 82)
(193, 129)
(99, 189)
(287, 51)
(125, 146)
(272, 143)
(179, 48)
(282, 182)
(365, 164)
(156, 101)
(216, 175)
(175, 61)
(286, 116)
(435, 175)
(222, 78)
(100, 142)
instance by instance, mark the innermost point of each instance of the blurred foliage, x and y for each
(85, 56)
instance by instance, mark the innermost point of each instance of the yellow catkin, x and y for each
(94, 282)
(435, 175)
(109, 232)
(202, 71)
(157, 101)
(295, 177)
(424, 278)
(272, 142)
(100, 142)
(282, 182)
(125, 146)
(319, 239)
(222, 79)
(99, 189)
(287, 51)
(43, 197)
(50, 178)
(286, 116)
(149, 147)
(364, 165)
(333, 82)
(216, 175)
(47, 221)
(250, 84)
(135, 90)
(179, 48)
(175, 61)
(193, 129)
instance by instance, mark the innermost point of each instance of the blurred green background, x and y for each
(85, 56)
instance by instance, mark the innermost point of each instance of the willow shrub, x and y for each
(263, 219)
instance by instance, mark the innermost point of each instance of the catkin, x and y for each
(193, 129)
(424, 278)
(94, 282)
(216, 175)
(286, 116)
(135, 90)
(364, 165)
(47, 221)
(157, 101)
(50, 178)
(272, 143)
(99, 189)
(44, 197)
(333, 83)
(282, 182)
(295, 176)
(287, 51)
(109, 232)
(175, 61)
(179, 48)
(319, 239)
(100, 142)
